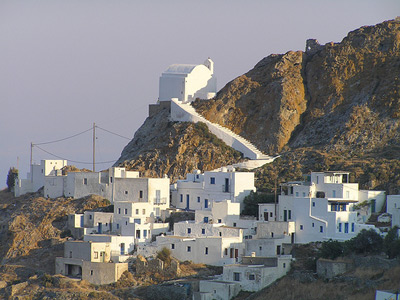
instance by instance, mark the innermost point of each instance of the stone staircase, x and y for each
(186, 112)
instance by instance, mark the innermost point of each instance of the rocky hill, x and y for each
(337, 100)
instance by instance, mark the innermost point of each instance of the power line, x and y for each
(75, 161)
(60, 140)
(114, 133)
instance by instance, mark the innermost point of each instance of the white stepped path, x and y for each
(186, 113)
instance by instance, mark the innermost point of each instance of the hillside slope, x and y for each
(333, 106)
(342, 97)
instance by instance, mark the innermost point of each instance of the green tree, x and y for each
(252, 200)
(391, 243)
(12, 177)
(331, 249)
(367, 241)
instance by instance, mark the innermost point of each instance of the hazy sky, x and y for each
(67, 64)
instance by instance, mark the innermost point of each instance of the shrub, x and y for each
(391, 243)
(252, 200)
(367, 241)
(12, 177)
(331, 249)
(165, 255)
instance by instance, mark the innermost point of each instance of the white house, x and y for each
(35, 179)
(89, 261)
(252, 275)
(322, 207)
(393, 208)
(198, 190)
(115, 184)
(188, 82)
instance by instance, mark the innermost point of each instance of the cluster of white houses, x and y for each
(253, 251)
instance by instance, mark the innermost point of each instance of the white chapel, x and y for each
(188, 82)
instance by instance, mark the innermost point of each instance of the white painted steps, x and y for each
(186, 113)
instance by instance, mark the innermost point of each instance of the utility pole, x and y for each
(31, 153)
(94, 147)
(275, 192)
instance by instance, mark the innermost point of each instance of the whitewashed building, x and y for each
(322, 207)
(188, 82)
(198, 190)
(254, 274)
(35, 179)
(89, 261)
(393, 208)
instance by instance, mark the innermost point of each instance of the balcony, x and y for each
(226, 188)
(160, 201)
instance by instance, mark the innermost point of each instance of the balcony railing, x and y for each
(160, 201)
(226, 188)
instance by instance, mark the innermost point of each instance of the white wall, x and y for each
(393, 208)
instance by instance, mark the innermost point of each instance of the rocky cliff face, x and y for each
(342, 97)
(339, 99)
(161, 147)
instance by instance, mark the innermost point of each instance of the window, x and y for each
(198, 199)
(297, 194)
(312, 224)
(96, 254)
(313, 204)
(340, 227)
(260, 248)
(270, 214)
(111, 179)
(236, 276)
(189, 249)
(181, 197)
(284, 265)
(346, 227)
(126, 211)
(140, 194)
(137, 221)
(206, 251)
(126, 192)
(119, 210)
(252, 277)
(143, 211)
(317, 179)
(301, 227)
(189, 230)
(212, 180)
(70, 254)
(304, 194)
(333, 194)
(234, 224)
(352, 227)
(203, 231)
(226, 251)
(172, 246)
(90, 217)
(205, 203)
(219, 221)
(126, 223)
(220, 234)
(85, 181)
(137, 211)
(145, 233)
(321, 228)
(289, 214)
(117, 226)
(205, 219)
(91, 272)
